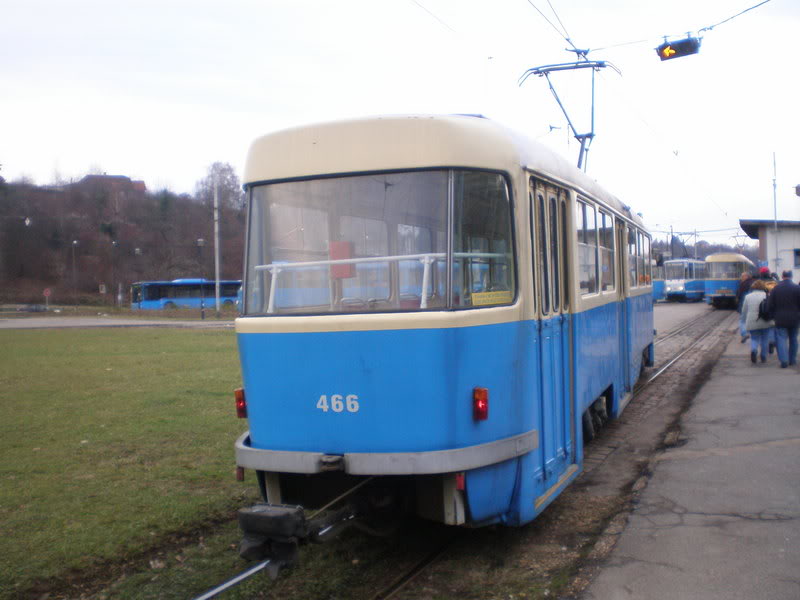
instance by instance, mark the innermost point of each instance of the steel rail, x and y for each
(680, 329)
(400, 582)
(234, 581)
(244, 575)
(677, 357)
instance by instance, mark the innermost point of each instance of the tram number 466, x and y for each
(338, 403)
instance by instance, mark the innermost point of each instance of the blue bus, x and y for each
(183, 293)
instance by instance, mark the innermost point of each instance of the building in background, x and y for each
(778, 242)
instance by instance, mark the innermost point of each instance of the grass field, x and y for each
(110, 441)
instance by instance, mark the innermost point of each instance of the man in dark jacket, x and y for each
(783, 303)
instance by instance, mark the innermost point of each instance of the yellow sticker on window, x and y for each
(486, 298)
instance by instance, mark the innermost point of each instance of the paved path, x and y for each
(720, 516)
(104, 321)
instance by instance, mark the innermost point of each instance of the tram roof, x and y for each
(683, 260)
(407, 142)
(728, 257)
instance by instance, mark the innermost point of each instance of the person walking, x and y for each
(758, 328)
(770, 281)
(745, 281)
(783, 304)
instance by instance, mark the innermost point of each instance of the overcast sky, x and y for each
(158, 90)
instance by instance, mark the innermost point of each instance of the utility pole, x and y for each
(671, 243)
(74, 277)
(775, 207)
(216, 243)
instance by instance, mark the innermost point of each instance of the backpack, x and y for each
(763, 311)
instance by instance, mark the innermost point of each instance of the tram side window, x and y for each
(555, 248)
(606, 227)
(564, 264)
(542, 262)
(640, 262)
(587, 248)
(483, 268)
(632, 252)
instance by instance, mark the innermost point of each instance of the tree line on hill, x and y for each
(88, 240)
(675, 248)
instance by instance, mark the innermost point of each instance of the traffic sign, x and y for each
(46, 292)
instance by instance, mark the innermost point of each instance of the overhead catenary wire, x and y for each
(699, 31)
(434, 16)
(563, 34)
(710, 27)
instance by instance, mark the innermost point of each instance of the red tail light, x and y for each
(241, 403)
(480, 404)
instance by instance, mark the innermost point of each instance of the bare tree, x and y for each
(229, 188)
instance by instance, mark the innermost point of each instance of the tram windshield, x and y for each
(410, 241)
(726, 270)
(676, 271)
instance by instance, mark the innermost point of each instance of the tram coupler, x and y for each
(275, 532)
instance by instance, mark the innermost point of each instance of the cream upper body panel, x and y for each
(381, 321)
(412, 142)
(728, 257)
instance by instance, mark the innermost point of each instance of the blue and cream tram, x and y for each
(658, 282)
(435, 302)
(724, 271)
(684, 279)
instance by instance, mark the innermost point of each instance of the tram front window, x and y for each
(379, 243)
(676, 272)
(725, 270)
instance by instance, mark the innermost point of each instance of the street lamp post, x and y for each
(113, 279)
(200, 243)
(74, 276)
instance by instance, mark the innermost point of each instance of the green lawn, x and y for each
(110, 439)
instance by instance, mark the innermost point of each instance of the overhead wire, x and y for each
(549, 22)
(434, 16)
(709, 28)
(699, 31)
(560, 22)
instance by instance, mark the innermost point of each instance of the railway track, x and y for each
(434, 553)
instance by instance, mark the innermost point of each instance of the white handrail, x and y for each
(426, 259)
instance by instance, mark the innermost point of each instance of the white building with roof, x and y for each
(778, 242)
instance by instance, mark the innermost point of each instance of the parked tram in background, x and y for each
(182, 293)
(684, 279)
(658, 281)
(433, 305)
(724, 271)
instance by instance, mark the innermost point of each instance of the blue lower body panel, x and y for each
(721, 291)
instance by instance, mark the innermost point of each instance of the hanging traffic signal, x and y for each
(669, 50)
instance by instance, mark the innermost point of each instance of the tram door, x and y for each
(623, 251)
(547, 213)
